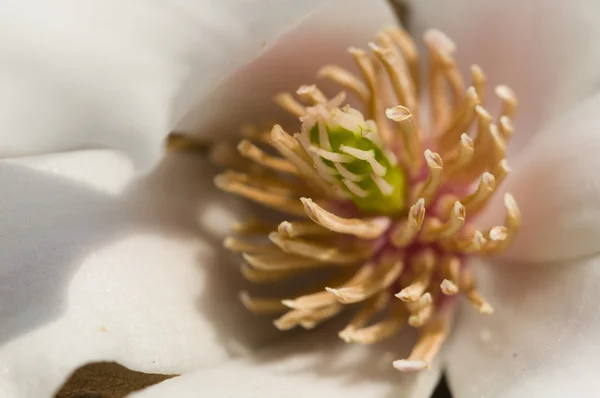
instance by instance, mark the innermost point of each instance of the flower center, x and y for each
(387, 228)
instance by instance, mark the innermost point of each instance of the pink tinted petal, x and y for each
(542, 339)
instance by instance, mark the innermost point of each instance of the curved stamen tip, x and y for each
(398, 113)
(439, 40)
(486, 309)
(405, 365)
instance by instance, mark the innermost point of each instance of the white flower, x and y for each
(99, 263)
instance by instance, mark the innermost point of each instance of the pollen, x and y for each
(375, 204)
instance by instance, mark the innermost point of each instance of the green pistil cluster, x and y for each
(348, 151)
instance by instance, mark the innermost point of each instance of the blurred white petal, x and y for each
(81, 73)
(323, 38)
(317, 365)
(540, 342)
(98, 265)
(546, 51)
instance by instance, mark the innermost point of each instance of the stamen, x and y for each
(422, 265)
(261, 276)
(506, 128)
(325, 298)
(250, 151)
(428, 189)
(312, 95)
(463, 156)
(269, 199)
(479, 80)
(509, 101)
(383, 278)
(409, 51)
(301, 228)
(428, 345)
(450, 267)
(344, 172)
(289, 103)
(477, 200)
(378, 331)
(345, 79)
(467, 285)
(251, 226)
(261, 305)
(396, 70)
(308, 319)
(471, 244)
(319, 251)
(406, 231)
(421, 311)
(367, 311)
(362, 228)
(291, 149)
(410, 136)
(435, 230)
(464, 115)
(440, 48)
(237, 245)
(512, 222)
(281, 262)
(500, 171)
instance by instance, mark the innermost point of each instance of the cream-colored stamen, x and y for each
(261, 276)
(461, 121)
(269, 199)
(293, 229)
(281, 262)
(440, 49)
(467, 285)
(238, 245)
(319, 251)
(292, 150)
(461, 158)
(500, 171)
(324, 298)
(312, 95)
(450, 267)
(261, 305)
(331, 156)
(406, 231)
(362, 228)
(512, 223)
(289, 103)
(509, 101)
(478, 199)
(385, 275)
(506, 128)
(378, 331)
(478, 78)
(471, 242)
(410, 136)
(409, 51)
(434, 229)
(250, 151)
(422, 265)
(428, 345)
(428, 189)
(345, 79)
(421, 310)
(396, 70)
(366, 312)
(308, 319)
(251, 226)
(368, 156)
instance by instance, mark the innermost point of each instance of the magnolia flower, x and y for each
(101, 263)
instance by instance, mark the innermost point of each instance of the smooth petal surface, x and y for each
(323, 38)
(80, 73)
(545, 51)
(316, 365)
(542, 340)
(555, 183)
(97, 264)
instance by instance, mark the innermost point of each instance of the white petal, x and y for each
(97, 265)
(545, 52)
(315, 366)
(323, 38)
(540, 342)
(80, 73)
(555, 184)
